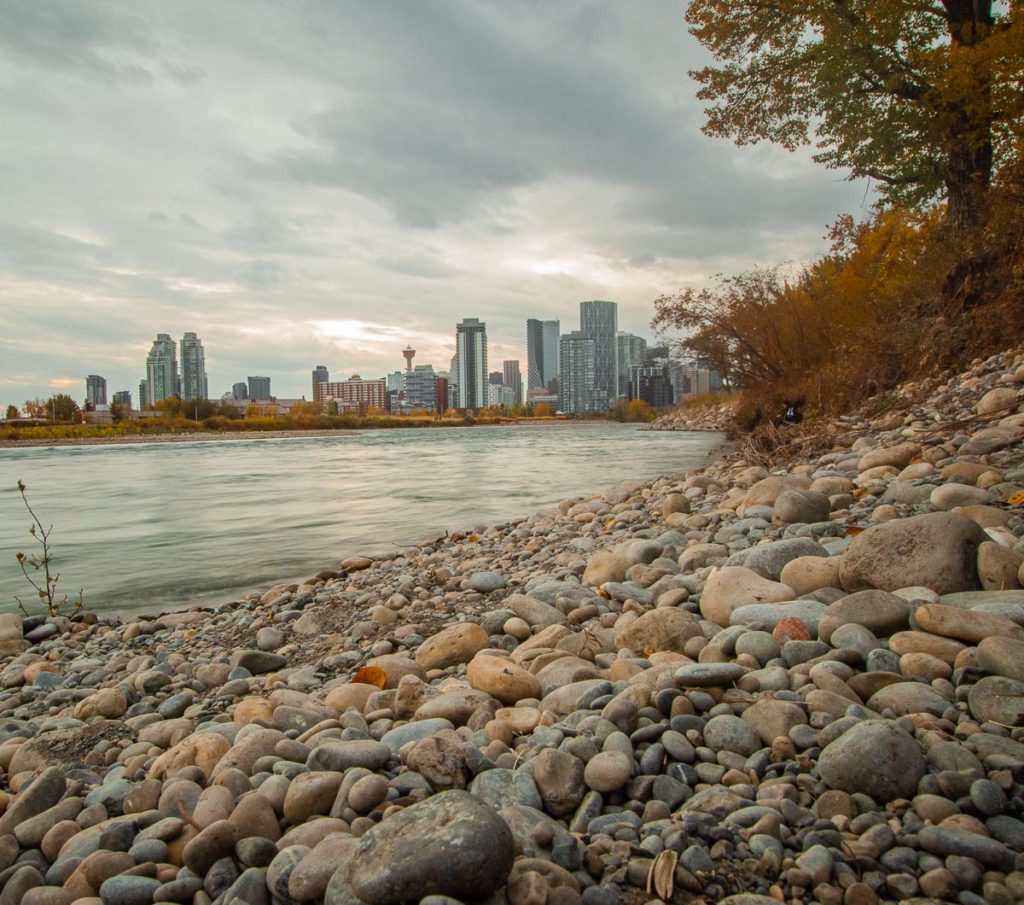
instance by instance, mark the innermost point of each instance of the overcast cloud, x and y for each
(324, 182)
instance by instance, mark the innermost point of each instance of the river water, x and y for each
(157, 526)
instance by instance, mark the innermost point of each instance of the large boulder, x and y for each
(875, 757)
(456, 644)
(937, 550)
(452, 844)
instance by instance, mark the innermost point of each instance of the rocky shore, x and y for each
(732, 685)
(717, 415)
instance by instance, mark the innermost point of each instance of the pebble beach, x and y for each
(797, 680)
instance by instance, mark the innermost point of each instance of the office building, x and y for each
(599, 322)
(240, 390)
(653, 384)
(124, 397)
(513, 379)
(95, 391)
(320, 376)
(421, 389)
(631, 351)
(193, 368)
(161, 371)
(542, 341)
(144, 394)
(576, 374)
(471, 364)
(356, 394)
(259, 387)
(498, 395)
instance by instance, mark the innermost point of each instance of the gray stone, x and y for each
(707, 675)
(997, 699)
(123, 890)
(880, 612)
(937, 550)
(258, 661)
(876, 758)
(485, 582)
(767, 560)
(506, 788)
(451, 844)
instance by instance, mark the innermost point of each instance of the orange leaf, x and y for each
(1017, 498)
(854, 530)
(370, 675)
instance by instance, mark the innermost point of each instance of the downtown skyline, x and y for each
(226, 170)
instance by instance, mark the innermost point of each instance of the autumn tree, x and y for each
(12, 412)
(924, 96)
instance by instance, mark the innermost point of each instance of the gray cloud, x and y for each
(254, 171)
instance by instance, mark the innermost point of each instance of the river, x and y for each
(157, 526)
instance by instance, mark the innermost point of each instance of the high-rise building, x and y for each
(123, 397)
(162, 370)
(259, 387)
(513, 379)
(193, 368)
(599, 321)
(239, 390)
(320, 376)
(471, 373)
(631, 351)
(576, 374)
(542, 340)
(144, 402)
(95, 390)
(652, 383)
(421, 389)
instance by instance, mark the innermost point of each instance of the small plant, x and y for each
(47, 589)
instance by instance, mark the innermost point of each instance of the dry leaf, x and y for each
(662, 874)
(370, 675)
(1017, 498)
(854, 530)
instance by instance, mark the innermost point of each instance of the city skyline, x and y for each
(292, 204)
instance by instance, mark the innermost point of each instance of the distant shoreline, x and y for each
(189, 437)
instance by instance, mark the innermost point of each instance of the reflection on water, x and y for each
(153, 526)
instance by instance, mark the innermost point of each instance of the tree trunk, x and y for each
(969, 164)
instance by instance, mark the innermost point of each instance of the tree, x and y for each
(61, 407)
(922, 95)
(118, 411)
(36, 408)
(12, 412)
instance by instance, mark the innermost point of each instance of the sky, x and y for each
(326, 182)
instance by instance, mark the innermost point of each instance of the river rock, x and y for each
(876, 758)
(1000, 399)
(43, 793)
(766, 491)
(997, 699)
(937, 550)
(898, 456)
(999, 567)
(559, 779)
(800, 507)
(964, 625)
(1002, 657)
(608, 771)
(664, 628)
(768, 560)
(533, 612)
(903, 698)
(771, 719)
(731, 587)
(809, 573)
(604, 567)
(452, 844)
(878, 611)
(456, 644)
(502, 679)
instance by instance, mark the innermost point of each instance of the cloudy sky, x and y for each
(313, 183)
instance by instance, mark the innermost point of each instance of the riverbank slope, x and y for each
(803, 684)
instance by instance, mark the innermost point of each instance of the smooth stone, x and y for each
(875, 758)
(453, 645)
(1002, 657)
(705, 675)
(998, 700)
(880, 612)
(450, 844)
(732, 587)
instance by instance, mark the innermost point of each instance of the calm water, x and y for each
(155, 526)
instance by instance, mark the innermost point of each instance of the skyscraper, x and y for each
(513, 379)
(576, 374)
(239, 390)
(631, 351)
(542, 339)
(193, 368)
(95, 390)
(599, 322)
(123, 397)
(161, 371)
(259, 387)
(320, 376)
(471, 352)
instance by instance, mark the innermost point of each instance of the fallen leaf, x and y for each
(662, 874)
(1017, 498)
(854, 530)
